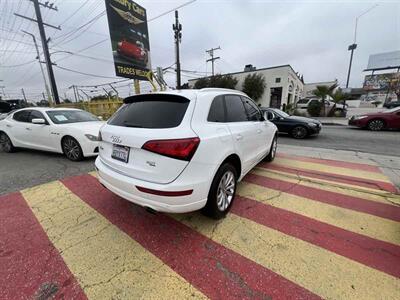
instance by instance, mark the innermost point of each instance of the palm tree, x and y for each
(322, 91)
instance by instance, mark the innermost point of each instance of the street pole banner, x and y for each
(127, 22)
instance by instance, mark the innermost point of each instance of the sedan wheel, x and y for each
(72, 149)
(5, 143)
(376, 125)
(299, 132)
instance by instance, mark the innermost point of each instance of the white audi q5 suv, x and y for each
(185, 150)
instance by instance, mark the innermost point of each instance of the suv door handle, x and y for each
(27, 128)
(259, 130)
(8, 125)
(239, 137)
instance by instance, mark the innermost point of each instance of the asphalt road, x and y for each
(27, 168)
(352, 139)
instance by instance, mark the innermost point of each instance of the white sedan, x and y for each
(73, 132)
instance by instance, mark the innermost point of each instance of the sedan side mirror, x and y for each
(267, 116)
(39, 121)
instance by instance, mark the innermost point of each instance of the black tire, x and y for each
(376, 125)
(299, 132)
(71, 148)
(5, 143)
(272, 150)
(218, 205)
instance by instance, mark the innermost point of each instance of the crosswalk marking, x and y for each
(107, 263)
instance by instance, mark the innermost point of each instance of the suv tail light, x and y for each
(183, 149)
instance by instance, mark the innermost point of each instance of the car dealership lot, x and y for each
(300, 228)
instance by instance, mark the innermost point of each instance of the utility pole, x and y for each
(44, 40)
(178, 37)
(41, 67)
(212, 59)
(23, 94)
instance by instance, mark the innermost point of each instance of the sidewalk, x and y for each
(390, 165)
(332, 120)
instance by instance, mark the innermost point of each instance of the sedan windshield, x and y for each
(280, 113)
(70, 116)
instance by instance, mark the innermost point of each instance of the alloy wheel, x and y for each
(376, 125)
(274, 147)
(226, 190)
(71, 149)
(5, 143)
(299, 132)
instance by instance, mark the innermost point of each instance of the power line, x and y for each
(74, 13)
(83, 73)
(19, 65)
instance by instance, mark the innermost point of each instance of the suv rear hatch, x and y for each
(150, 137)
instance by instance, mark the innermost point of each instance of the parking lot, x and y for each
(300, 228)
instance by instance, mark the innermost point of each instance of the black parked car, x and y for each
(392, 104)
(297, 127)
(5, 107)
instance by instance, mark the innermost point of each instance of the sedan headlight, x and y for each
(92, 137)
(359, 117)
(313, 124)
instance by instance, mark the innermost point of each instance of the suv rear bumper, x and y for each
(126, 187)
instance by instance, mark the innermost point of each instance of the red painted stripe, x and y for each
(366, 206)
(377, 254)
(31, 266)
(368, 183)
(333, 163)
(216, 271)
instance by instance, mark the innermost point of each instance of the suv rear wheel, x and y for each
(272, 152)
(222, 192)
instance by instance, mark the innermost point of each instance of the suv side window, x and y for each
(217, 110)
(22, 116)
(252, 110)
(235, 111)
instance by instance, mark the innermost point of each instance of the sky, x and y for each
(312, 36)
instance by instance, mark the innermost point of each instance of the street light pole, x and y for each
(353, 46)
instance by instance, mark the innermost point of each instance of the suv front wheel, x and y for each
(222, 192)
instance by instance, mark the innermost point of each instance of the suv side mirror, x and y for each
(39, 121)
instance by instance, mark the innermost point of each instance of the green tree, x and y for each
(201, 83)
(254, 86)
(322, 91)
(219, 81)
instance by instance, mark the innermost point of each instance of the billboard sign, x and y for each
(381, 81)
(381, 61)
(129, 35)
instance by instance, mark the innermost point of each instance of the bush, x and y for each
(219, 81)
(314, 108)
(254, 86)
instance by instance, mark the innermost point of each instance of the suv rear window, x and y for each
(151, 111)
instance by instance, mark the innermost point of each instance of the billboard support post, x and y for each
(137, 86)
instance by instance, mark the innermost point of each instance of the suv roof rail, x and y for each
(220, 90)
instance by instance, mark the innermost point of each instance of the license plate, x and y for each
(120, 153)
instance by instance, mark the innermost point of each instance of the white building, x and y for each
(283, 84)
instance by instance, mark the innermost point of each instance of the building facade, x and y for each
(283, 84)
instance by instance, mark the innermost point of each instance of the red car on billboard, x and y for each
(389, 119)
(133, 51)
